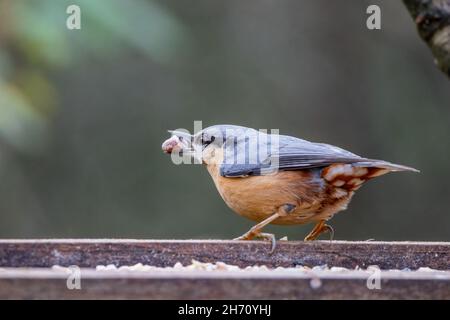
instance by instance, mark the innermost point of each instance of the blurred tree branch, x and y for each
(432, 18)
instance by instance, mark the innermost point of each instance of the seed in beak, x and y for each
(173, 144)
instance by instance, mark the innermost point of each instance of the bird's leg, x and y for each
(255, 231)
(320, 228)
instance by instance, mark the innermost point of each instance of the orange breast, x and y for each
(258, 197)
(317, 193)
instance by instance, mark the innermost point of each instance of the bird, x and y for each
(278, 179)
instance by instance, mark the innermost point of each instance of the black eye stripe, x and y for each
(206, 141)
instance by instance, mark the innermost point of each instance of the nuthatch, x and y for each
(277, 179)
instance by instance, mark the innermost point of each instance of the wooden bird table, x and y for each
(219, 269)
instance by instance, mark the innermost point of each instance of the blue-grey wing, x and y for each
(287, 153)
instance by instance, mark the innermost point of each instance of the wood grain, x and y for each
(25, 271)
(92, 252)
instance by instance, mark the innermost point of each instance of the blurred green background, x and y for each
(83, 113)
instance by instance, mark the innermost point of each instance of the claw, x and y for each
(255, 231)
(260, 235)
(320, 228)
(270, 237)
(329, 229)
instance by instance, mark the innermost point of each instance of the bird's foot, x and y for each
(320, 228)
(254, 234)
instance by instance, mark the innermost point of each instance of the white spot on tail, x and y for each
(337, 170)
(356, 182)
(338, 183)
(339, 193)
(360, 171)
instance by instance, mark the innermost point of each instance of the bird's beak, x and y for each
(178, 142)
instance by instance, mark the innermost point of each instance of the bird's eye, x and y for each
(207, 140)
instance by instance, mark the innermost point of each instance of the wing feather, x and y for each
(297, 154)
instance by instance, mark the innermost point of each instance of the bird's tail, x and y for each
(381, 164)
(351, 176)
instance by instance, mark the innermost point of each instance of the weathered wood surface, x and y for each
(25, 269)
(90, 253)
(47, 284)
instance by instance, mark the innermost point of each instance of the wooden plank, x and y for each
(92, 252)
(49, 284)
(26, 272)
